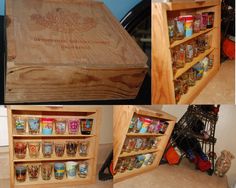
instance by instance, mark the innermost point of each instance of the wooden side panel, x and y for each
(96, 144)
(162, 74)
(122, 116)
(9, 115)
(48, 83)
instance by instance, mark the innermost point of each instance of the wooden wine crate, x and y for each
(57, 112)
(70, 50)
(163, 91)
(122, 116)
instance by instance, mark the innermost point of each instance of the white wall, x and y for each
(225, 132)
(226, 136)
(3, 126)
(105, 131)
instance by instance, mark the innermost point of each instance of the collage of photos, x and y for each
(117, 94)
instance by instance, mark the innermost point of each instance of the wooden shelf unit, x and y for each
(163, 91)
(66, 112)
(122, 116)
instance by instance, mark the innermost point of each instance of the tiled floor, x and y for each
(220, 90)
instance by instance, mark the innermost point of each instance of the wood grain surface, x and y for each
(48, 83)
(69, 51)
(49, 33)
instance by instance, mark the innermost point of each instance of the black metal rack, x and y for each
(185, 126)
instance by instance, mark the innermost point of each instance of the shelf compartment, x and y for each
(134, 172)
(49, 183)
(50, 159)
(125, 154)
(195, 90)
(191, 64)
(144, 134)
(178, 42)
(51, 136)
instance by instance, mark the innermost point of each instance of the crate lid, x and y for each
(69, 33)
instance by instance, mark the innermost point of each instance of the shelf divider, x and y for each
(125, 154)
(178, 42)
(191, 64)
(50, 159)
(144, 134)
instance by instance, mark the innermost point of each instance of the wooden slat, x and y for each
(191, 4)
(178, 42)
(57, 84)
(187, 66)
(132, 153)
(143, 134)
(51, 136)
(54, 159)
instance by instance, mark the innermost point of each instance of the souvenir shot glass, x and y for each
(20, 171)
(73, 126)
(20, 149)
(34, 125)
(59, 149)
(71, 148)
(34, 148)
(33, 171)
(47, 148)
(59, 170)
(60, 126)
(46, 171)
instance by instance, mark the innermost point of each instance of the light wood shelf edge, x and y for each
(28, 160)
(144, 134)
(52, 136)
(125, 154)
(195, 35)
(190, 5)
(187, 66)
